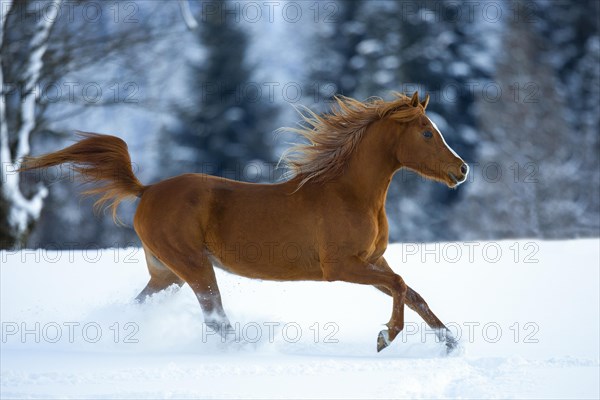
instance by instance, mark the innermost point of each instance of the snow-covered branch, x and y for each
(186, 13)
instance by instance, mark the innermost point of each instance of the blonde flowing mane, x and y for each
(333, 137)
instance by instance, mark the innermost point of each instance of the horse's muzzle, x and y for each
(462, 176)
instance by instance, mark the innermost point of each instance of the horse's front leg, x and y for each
(416, 303)
(355, 270)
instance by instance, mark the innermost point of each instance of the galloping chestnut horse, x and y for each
(332, 212)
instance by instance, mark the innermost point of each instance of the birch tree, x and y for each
(17, 212)
(44, 42)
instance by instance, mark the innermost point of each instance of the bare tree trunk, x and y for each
(17, 212)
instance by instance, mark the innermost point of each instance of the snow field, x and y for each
(527, 313)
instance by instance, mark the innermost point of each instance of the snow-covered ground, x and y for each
(527, 313)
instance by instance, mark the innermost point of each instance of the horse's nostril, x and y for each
(464, 169)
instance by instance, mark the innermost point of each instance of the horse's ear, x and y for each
(415, 99)
(425, 102)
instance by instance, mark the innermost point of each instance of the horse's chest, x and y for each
(382, 238)
(376, 243)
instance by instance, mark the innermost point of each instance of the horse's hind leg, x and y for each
(415, 302)
(197, 271)
(161, 277)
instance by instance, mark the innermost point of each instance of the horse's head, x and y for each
(421, 147)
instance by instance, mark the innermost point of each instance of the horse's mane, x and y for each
(333, 137)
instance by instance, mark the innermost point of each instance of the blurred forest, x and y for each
(514, 85)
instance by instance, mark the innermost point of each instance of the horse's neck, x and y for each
(370, 171)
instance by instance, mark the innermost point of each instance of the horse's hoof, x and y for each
(451, 345)
(222, 328)
(383, 340)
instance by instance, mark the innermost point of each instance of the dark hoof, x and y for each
(383, 340)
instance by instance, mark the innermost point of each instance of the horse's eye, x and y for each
(427, 134)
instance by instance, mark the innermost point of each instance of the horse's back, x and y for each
(258, 230)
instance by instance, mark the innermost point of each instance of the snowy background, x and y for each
(515, 88)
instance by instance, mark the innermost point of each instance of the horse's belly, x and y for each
(268, 262)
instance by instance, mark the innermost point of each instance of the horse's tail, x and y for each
(100, 159)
